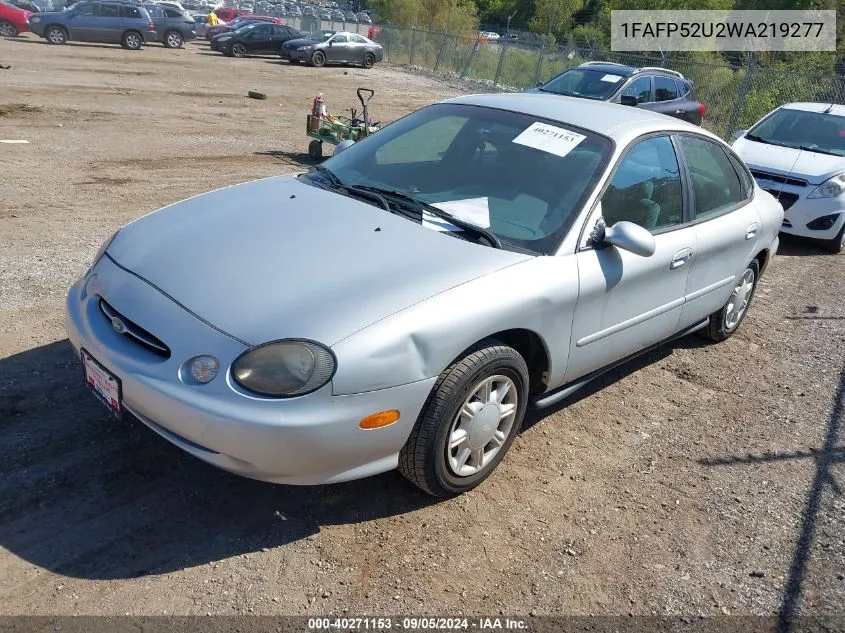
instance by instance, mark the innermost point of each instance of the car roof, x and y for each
(608, 67)
(621, 123)
(807, 106)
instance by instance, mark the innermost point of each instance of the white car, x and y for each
(797, 153)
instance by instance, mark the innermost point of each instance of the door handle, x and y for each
(751, 231)
(681, 258)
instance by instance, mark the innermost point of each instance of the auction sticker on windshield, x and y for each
(611, 78)
(548, 138)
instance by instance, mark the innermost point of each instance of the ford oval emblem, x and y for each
(118, 325)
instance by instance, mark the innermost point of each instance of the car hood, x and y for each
(278, 258)
(300, 41)
(810, 166)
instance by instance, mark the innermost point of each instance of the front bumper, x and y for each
(298, 55)
(800, 211)
(311, 439)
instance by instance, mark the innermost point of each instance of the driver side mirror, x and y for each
(538, 84)
(739, 134)
(630, 237)
(628, 100)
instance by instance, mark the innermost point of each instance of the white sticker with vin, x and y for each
(548, 138)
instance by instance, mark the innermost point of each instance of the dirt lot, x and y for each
(698, 480)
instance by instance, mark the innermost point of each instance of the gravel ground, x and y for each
(697, 480)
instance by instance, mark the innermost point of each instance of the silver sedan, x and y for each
(403, 304)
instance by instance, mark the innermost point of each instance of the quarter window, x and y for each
(129, 12)
(640, 89)
(665, 89)
(715, 183)
(646, 188)
(170, 13)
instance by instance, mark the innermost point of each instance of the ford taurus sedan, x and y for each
(404, 303)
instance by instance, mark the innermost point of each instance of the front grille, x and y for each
(783, 180)
(785, 198)
(134, 332)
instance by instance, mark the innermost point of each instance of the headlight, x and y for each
(103, 249)
(304, 48)
(830, 188)
(284, 368)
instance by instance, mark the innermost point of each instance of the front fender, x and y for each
(419, 342)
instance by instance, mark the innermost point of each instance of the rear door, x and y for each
(256, 39)
(628, 302)
(109, 24)
(726, 223)
(667, 97)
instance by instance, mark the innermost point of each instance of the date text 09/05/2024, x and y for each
(417, 624)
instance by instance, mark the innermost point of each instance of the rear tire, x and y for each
(173, 39)
(55, 35)
(726, 321)
(369, 61)
(837, 244)
(469, 421)
(318, 59)
(132, 41)
(7, 29)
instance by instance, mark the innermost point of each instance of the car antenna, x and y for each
(791, 169)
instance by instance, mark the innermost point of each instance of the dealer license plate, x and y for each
(104, 384)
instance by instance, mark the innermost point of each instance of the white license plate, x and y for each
(104, 384)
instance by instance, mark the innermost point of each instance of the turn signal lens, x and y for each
(378, 420)
(204, 368)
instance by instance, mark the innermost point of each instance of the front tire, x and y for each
(837, 244)
(132, 40)
(238, 50)
(726, 321)
(318, 59)
(55, 35)
(7, 29)
(173, 39)
(469, 421)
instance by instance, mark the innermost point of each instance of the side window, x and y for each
(339, 39)
(641, 89)
(357, 39)
(109, 11)
(171, 13)
(665, 89)
(744, 177)
(127, 11)
(685, 88)
(715, 183)
(87, 9)
(155, 11)
(646, 188)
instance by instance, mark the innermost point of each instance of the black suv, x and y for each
(657, 89)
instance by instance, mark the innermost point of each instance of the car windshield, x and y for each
(581, 82)
(814, 131)
(521, 177)
(245, 28)
(319, 36)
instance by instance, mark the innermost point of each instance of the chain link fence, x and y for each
(735, 95)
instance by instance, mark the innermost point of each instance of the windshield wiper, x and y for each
(338, 185)
(819, 150)
(758, 139)
(423, 207)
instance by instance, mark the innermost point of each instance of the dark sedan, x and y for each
(257, 38)
(326, 47)
(238, 22)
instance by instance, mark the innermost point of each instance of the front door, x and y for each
(627, 302)
(82, 22)
(336, 52)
